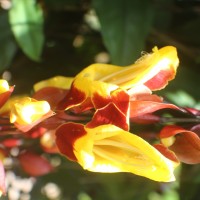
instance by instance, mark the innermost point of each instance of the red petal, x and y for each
(66, 135)
(52, 95)
(148, 97)
(84, 106)
(34, 164)
(121, 99)
(73, 98)
(4, 96)
(166, 152)
(143, 107)
(110, 114)
(186, 145)
(160, 80)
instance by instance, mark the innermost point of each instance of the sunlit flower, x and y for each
(107, 148)
(98, 81)
(27, 112)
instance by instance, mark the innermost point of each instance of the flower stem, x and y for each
(179, 120)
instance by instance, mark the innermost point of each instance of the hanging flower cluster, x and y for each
(90, 119)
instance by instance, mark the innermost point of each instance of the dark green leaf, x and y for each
(8, 45)
(124, 26)
(26, 19)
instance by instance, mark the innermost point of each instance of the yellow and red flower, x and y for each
(93, 86)
(108, 148)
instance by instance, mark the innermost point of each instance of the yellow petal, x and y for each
(138, 73)
(4, 87)
(90, 87)
(57, 81)
(7, 106)
(104, 78)
(108, 148)
(27, 110)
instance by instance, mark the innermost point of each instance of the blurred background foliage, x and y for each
(43, 38)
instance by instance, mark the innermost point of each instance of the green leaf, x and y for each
(26, 19)
(124, 26)
(8, 46)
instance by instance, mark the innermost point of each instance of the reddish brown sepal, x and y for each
(186, 145)
(166, 152)
(52, 95)
(34, 164)
(138, 108)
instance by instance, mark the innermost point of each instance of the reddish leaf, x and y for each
(138, 108)
(34, 164)
(186, 145)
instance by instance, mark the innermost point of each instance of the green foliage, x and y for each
(124, 27)
(8, 46)
(26, 19)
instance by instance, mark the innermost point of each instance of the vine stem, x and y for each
(179, 120)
